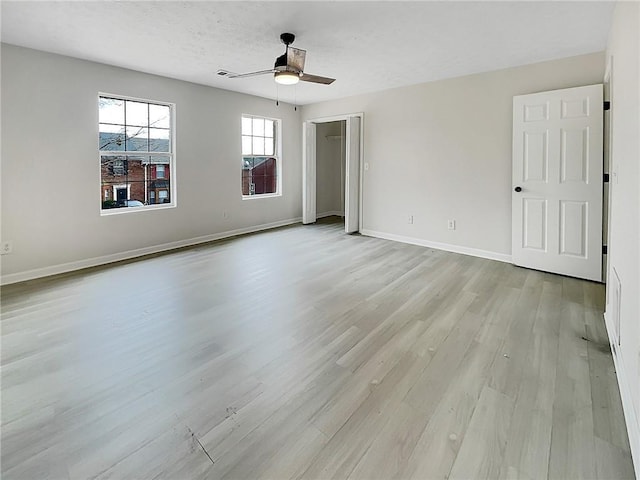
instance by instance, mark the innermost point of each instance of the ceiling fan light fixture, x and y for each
(287, 78)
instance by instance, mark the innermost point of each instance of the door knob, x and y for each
(518, 189)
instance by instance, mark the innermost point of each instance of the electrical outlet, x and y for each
(451, 224)
(6, 248)
(410, 219)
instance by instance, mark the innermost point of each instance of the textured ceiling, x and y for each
(366, 46)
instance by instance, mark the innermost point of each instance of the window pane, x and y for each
(258, 145)
(268, 146)
(110, 110)
(270, 173)
(246, 145)
(155, 159)
(137, 113)
(268, 128)
(247, 163)
(246, 126)
(112, 166)
(107, 160)
(111, 137)
(258, 184)
(159, 140)
(271, 184)
(258, 127)
(159, 116)
(246, 181)
(137, 139)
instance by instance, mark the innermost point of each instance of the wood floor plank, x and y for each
(437, 445)
(572, 453)
(611, 461)
(608, 415)
(482, 450)
(428, 389)
(507, 371)
(348, 444)
(175, 453)
(529, 436)
(303, 352)
(436, 450)
(389, 453)
(370, 375)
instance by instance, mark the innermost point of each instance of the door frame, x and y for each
(607, 167)
(607, 158)
(309, 145)
(121, 186)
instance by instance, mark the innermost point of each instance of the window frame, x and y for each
(277, 154)
(171, 155)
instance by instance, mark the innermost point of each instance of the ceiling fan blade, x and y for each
(317, 79)
(295, 58)
(250, 74)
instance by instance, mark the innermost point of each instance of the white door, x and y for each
(557, 181)
(352, 187)
(309, 173)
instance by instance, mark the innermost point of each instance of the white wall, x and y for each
(624, 240)
(50, 173)
(329, 167)
(442, 150)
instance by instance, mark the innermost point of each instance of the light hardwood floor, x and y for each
(303, 352)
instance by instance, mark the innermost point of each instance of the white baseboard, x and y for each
(624, 385)
(334, 213)
(474, 252)
(116, 257)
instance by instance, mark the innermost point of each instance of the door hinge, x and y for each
(607, 105)
(604, 249)
(605, 178)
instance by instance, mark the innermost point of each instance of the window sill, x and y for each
(264, 195)
(124, 210)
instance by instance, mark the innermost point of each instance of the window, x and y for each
(118, 167)
(135, 140)
(260, 156)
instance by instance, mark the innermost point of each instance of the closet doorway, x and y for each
(332, 162)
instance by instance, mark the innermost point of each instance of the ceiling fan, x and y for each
(288, 69)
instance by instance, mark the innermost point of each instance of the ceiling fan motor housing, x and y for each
(287, 38)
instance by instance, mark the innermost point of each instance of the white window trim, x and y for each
(172, 163)
(264, 195)
(278, 156)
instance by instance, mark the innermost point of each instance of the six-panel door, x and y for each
(557, 181)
